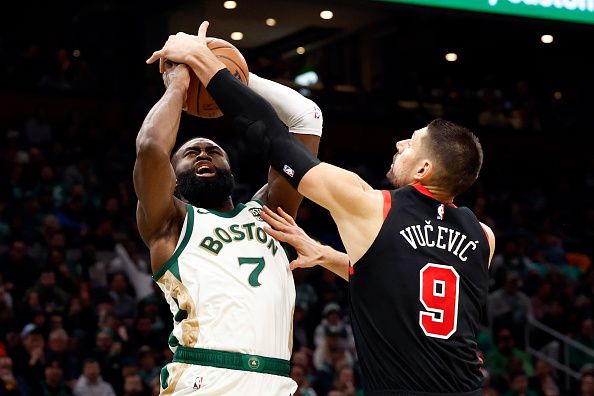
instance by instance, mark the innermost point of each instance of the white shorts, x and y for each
(179, 379)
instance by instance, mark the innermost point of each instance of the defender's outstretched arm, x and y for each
(303, 119)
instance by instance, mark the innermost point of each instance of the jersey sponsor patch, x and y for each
(256, 213)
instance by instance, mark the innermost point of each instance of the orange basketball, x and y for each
(199, 102)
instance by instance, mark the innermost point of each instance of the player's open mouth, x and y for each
(205, 169)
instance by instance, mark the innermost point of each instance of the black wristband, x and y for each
(255, 118)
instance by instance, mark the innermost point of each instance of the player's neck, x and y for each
(225, 206)
(437, 193)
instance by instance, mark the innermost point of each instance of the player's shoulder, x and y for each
(254, 203)
(490, 234)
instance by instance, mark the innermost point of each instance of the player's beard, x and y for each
(391, 175)
(205, 192)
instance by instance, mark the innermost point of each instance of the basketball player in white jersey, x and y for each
(227, 282)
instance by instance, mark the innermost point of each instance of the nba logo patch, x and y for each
(440, 211)
(197, 383)
(288, 170)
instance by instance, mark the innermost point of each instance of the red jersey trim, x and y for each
(387, 202)
(423, 190)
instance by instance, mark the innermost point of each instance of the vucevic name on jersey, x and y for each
(417, 296)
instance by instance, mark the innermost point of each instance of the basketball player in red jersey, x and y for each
(419, 264)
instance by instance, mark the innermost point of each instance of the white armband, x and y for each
(298, 113)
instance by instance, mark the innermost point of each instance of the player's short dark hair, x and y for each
(458, 153)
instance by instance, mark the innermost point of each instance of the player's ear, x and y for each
(424, 170)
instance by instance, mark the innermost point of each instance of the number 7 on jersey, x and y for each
(439, 292)
(260, 263)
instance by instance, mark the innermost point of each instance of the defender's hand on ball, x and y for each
(181, 46)
(286, 230)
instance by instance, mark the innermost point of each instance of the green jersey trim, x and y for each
(182, 245)
(233, 213)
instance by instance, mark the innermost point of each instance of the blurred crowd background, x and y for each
(79, 313)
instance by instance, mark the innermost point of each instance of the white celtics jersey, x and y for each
(228, 284)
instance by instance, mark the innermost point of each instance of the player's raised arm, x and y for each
(154, 178)
(303, 119)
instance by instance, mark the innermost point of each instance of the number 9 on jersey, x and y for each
(439, 292)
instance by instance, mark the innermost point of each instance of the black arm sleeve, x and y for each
(256, 119)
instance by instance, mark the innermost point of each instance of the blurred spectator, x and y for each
(509, 307)
(80, 318)
(144, 334)
(578, 358)
(557, 316)
(328, 359)
(65, 275)
(52, 298)
(542, 300)
(330, 288)
(511, 259)
(303, 386)
(91, 383)
(6, 309)
(53, 383)
(333, 324)
(585, 295)
(519, 386)
(148, 369)
(345, 381)
(94, 270)
(17, 281)
(493, 117)
(552, 249)
(58, 351)
(303, 358)
(29, 356)
(108, 353)
(497, 359)
(38, 131)
(300, 338)
(137, 269)
(133, 386)
(587, 384)
(542, 383)
(124, 305)
(10, 384)
(307, 297)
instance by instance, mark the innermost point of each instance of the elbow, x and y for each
(317, 118)
(311, 121)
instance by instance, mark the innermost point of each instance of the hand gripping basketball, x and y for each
(182, 47)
